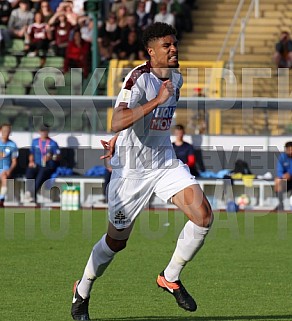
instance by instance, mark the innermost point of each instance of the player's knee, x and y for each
(205, 214)
(116, 245)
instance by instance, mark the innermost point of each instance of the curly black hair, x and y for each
(155, 31)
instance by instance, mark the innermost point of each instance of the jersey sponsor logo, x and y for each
(162, 117)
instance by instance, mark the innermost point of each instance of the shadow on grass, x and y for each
(210, 318)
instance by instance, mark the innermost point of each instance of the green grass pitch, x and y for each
(244, 271)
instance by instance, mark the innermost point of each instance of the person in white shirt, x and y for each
(144, 162)
(164, 16)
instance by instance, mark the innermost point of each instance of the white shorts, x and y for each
(127, 197)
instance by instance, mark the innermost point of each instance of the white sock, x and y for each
(3, 192)
(190, 240)
(100, 257)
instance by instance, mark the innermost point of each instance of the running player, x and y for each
(143, 163)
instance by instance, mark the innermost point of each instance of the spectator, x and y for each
(67, 8)
(19, 20)
(5, 11)
(38, 41)
(43, 160)
(109, 37)
(128, 50)
(183, 150)
(131, 26)
(77, 54)
(46, 11)
(151, 8)
(8, 159)
(164, 16)
(86, 27)
(143, 18)
(59, 33)
(129, 4)
(283, 181)
(283, 54)
(122, 17)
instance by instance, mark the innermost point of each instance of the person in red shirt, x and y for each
(77, 54)
(38, 38)
(60, 30)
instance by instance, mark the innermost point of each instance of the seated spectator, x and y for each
(19, 20)
(283, 181)
(38, 41)
(122, 17)
(283, 54)
(46, 11)
(183, 150)
(143, 18)
(77, 54)
(131, 26)
(109, 37)
(164, 16)
(8, 159)
(59, 33)
(128, 50)
(5, 11)
(43, 160)
(151, 7)
(129, 4)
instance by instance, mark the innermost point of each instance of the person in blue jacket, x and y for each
(43, 160)
(283, 181)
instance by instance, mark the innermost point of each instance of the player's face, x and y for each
(164, 52)
(289, 151)
(5, 132)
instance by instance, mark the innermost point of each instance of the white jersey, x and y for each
(145, 147)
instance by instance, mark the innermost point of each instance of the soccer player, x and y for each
(8, 159)
(143, 163)
(283, 181)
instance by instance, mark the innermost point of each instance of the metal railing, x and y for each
(254, 4)
(241, 36)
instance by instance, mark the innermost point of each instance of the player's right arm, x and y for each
(124, 117)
